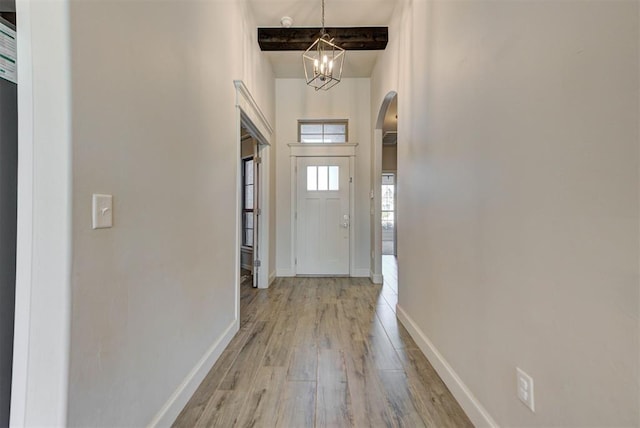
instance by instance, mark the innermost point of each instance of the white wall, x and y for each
(518, 201)
(348, 100)
(153, 122)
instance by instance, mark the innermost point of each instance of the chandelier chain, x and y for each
(323, 16)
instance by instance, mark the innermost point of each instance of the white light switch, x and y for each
(102, 211)
(525, 388)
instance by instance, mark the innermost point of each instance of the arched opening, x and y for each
(384, 182)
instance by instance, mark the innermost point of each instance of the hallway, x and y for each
(322, 352)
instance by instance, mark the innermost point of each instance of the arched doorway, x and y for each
(384, 181)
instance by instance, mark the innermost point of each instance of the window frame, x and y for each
(245, 210)
(393, 207)
(324, 122)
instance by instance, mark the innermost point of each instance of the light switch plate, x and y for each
(525, 388)
(102, 211)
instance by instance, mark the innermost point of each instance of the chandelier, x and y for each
(323, 61)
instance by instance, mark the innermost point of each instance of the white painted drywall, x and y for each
(154, 124)
(294, 101)
(518, 225)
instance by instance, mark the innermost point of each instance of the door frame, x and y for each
(297, 150)
(249, 116)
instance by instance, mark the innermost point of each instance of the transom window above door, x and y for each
(323, 131)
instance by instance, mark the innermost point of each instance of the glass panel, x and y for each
(387, 179)
(312, 178)
(334, 172)
(319, 132)
(311, 128)
(334, 138)
(335, 128)
(248, 220)
(323, 178)
(248, 172)
(311, 138)
(387, 220)
(248, 196)
(248, 237)
(387, 198)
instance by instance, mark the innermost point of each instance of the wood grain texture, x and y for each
(325, 352)
(333, 405)
(300, 38)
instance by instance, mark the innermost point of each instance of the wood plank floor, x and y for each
(322, 352)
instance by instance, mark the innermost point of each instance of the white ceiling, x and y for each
(338, 13)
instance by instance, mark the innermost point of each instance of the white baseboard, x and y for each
(174, 405)
(357, 273)
(360, 273)
(272, 277)
(376, 278)
(469, 403)
(285, 272)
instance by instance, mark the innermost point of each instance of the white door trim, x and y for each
(297, 150)
(249, 115)
(248, 104)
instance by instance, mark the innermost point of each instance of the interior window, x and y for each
(323, 131)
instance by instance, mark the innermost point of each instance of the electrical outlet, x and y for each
(525, 388)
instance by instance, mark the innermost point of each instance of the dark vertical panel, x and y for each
(8, 222)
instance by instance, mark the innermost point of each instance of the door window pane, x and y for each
(248, 220)
(388, 214)
(248, 197)
(247, 201)
(323, 178)
(312, 178)
(334, 175)
(387, 198)
(387, 220)
(248, 172)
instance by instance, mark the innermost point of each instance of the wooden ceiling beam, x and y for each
(300, 38)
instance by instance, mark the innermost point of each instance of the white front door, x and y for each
(322, 226)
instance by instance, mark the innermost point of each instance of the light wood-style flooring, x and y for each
(322, 352)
